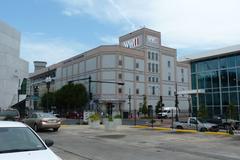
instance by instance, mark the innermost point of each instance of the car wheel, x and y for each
(203, 129)
(179, 127)
(35, 127)
(55, 129)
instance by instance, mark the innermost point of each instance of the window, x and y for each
(153, 67)
(153, 79)
(169, 76)
(119, 90)
(156, 56)
(169, 92)
(149, 67)
(153, 90)
(182, 70)
(149, 55)
(182, 79)
(120, 62)
(137, 91)
(156, 79)
(169, 64)
(120, 76)
(149, 79)
(137, 65)
(157, 68)
(137, 78)
(152, 55)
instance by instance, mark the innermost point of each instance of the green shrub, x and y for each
(117, 116)
(94, 117)
(110, 119)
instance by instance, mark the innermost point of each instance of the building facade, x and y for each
(218, 74)
(139, 61)
(13, 69)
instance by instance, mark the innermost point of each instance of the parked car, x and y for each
(10, 115)
(40, 120)
(74, 115)
(225, 123)
(196, 124)
(19, 141)
(167, 112)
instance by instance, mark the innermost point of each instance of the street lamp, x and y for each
(48, 82)
(129, 102)
(176, 103)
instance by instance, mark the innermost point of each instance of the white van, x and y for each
(168, 112)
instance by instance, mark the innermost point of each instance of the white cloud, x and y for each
(198, 24)
(107, 40)
(38, 47)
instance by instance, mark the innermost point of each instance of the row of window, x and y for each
(120, 91)
(120, 63)
(223, 62)
(153, 67)
(120, 77)
(153, 79)
(214, 79)
(153, 56)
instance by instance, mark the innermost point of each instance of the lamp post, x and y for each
(19, 89)
(176, 103)
(189, 107)
(48, 82)
(129, 102)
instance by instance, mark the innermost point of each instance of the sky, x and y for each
(53, 30)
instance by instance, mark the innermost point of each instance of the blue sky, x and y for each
(53, 30)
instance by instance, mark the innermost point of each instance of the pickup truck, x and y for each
(196, 124)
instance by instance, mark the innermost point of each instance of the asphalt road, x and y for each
(81, 143)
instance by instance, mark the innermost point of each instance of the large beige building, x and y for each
(13, 69)
(139, 61)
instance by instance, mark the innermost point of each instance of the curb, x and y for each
(181, 130)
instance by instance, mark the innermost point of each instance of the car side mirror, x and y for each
(49, 142)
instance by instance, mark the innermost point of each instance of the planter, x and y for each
(94, 124)
(110, 125)
(118, 121)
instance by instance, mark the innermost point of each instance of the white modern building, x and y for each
(139, 61)
(13, 69)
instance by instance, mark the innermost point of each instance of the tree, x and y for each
(231, 111)
(72, 97)
(48, 100)
(202, 112)
(144, 107)
(159, 106)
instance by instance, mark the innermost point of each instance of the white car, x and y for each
(20, 142)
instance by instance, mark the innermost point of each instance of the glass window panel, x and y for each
(225, 99)
(194, 114)
(232, 77)
(231, 61)
(224, 78)
(210, 112)
(193, 67)
(238, 76)
(201, 81)
(223, 62)
(201, 66)
(212, 64)
(233, 88)
(194, 100)
(233, 98)
(217, 110)
(201, 99)
(208, 99)
(238, 60)
(208, 80)
(216, 98)
(193, 81)
(215, 79)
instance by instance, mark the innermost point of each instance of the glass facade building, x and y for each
(220, 77)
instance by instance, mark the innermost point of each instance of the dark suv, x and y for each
(10, 115)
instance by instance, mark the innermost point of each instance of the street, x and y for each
(81, 143)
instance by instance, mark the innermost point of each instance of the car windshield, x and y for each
(46, 115)
(9, 112)
(19, 139)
